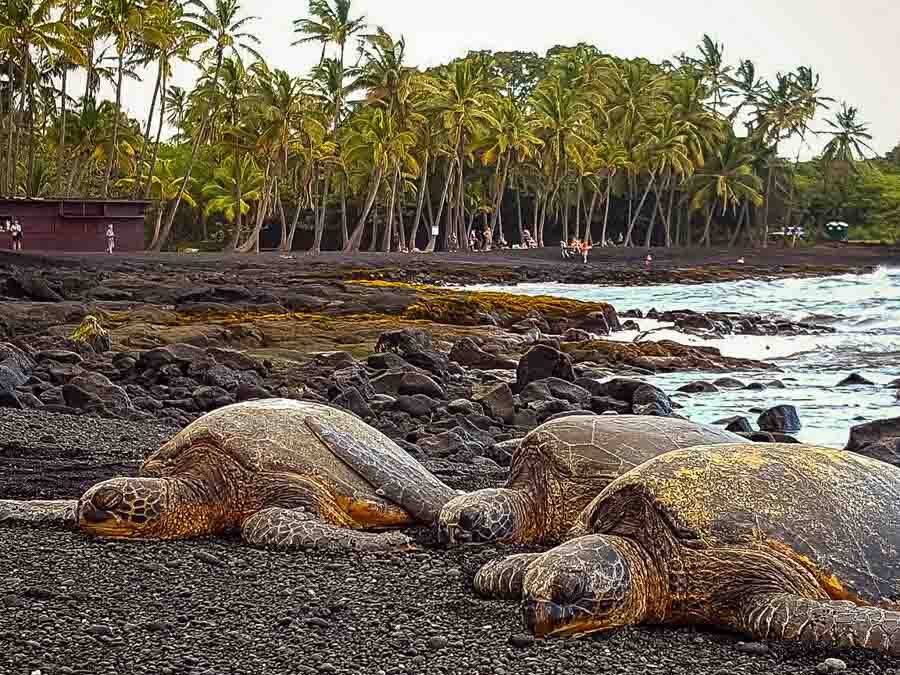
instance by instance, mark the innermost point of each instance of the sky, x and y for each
(852, 45)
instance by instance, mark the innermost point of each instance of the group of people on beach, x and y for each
(13, 228)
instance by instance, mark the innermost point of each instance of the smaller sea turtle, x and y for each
(264, 468)
(783, 542)
(555, 472)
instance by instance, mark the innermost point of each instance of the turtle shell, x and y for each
(270, 436)
(583, 448)
(836, 513)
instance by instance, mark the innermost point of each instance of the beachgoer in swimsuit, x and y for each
(110, 238)
(16, 230)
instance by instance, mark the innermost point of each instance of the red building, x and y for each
(77, 225)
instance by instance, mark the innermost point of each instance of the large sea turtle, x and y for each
(263, 468)
(555, 472)
(775, 541)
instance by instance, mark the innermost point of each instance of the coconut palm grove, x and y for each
(369, 152)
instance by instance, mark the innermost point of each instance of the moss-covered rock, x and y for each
(663, 356)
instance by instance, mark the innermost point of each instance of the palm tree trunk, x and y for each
(320, 220)
(737, 228)
(423, 188)
(706, 239)
(578, 197)
(669, 215)
(114, 144)
(187, 176)
(401, 225)
(18, 126)
(498, 200)
(519, 214)
(440, 212)
(63, 109)
(588, 226)
(373, 242)
(9, 178)
(355, 238)
(162, 120)
(147, 129)
(637, 213)
(282, 217)
(238, 193)
(648, 238)
(387, 236)
(606, 209)
(345, 236)
(460, 206)
(29, 176)
(159, 216)
(265, 200)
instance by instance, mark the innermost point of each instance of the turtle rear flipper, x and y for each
(292, 529)
(503, 578)
(827, 623)
(63, 512)
(401, 479)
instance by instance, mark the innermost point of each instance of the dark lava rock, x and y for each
(33, 287)
(350, 399)
(11, 377)
(873, 432)
(467, 352)
(567, 391)
(738, 424)
(782, 418)
(417, 383)
(60, 356)
(497, 402)
(10, 399)
(211, 398)
(247, 391)
(112, 395)
(445, 444)
(650, 400)
(76, 397)
(404, 341)
(417, 405)
(577, 335)
(699, 388)
(729, 383)
(386, 361)
(756, 386)
(535, 391)
(887, 450)
(541, 362)
(853, 380)
(462, 406)
(605, 404)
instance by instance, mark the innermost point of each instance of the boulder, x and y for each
(210, 398)
(417, 405)
(220, 376)
(547, 409)
(605, 404)
(10, 399)
(541, 362)
(433, 362)
(863, 435)
(443, 445)
(13, 357)
(737, 424)
(417, 383)
(700, 387)
(11, 377)
(497, 401)
(350, 399)
(33, 287)
(467, 352)
(76, 397)
(650, 400)
(884, 450)
(404, 341)
(247, 391)
(386, 361)
(855, 380)
(236, 360)
(782, 418)
(462, 406)
(619, 388)
(112, 395)
(535, 391)
(59, 356)
(577, 335)
(351, 377)
(567, 391)
(728, 383)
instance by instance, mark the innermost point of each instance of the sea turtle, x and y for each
(263, 468)
(783, 542)
(555, 472)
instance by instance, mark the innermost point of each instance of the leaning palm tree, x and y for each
(226, 30)
(164, 185)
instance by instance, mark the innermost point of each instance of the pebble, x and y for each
(756, 648)
(831, 666)
(521, 640)
(209, 558)
(437, 642)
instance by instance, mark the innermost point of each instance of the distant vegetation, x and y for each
(368, 151)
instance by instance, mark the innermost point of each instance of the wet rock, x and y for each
(605, 404)
(567, 391)
(738, 424)
(467, 352)
(497, 401)
(729, 383)
(547, 409)
(535, 391)
(521, 640)
(855, 380)
(631, 325)
(541, 362)
(462, 406)
(577, 335)
(386, 361)
(782, 418)
(31, 286)
(404, 341)
(756, 386)
(247, 391)
(417, 383)
(699, 388)
(863, 435)
(650, 400)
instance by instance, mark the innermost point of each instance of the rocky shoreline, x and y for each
(457, 378)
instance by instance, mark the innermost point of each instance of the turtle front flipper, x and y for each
(293, 529)
(63, 512)
(825, 623)
(401, 479)
(503, 578)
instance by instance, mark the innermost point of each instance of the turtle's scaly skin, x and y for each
(778, 541)
(559, 468)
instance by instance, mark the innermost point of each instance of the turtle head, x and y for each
(482, 517)
(589, 584)
(125, 508)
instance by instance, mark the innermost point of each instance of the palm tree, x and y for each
(329, 25)
(122, 20)
(849, 137)
(221, 194)
(226, 30)
(728, 180)
(164, 184)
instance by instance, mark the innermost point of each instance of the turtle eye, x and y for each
(107, 498)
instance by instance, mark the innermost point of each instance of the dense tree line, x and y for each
(370, 151)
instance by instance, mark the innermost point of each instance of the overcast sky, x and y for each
(853, 45)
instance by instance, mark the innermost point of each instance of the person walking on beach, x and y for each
(16, 232)
(488, 238)
(585, 249)
(110, 238)
(648, 262)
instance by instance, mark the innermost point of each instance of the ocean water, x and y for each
(864, 310)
